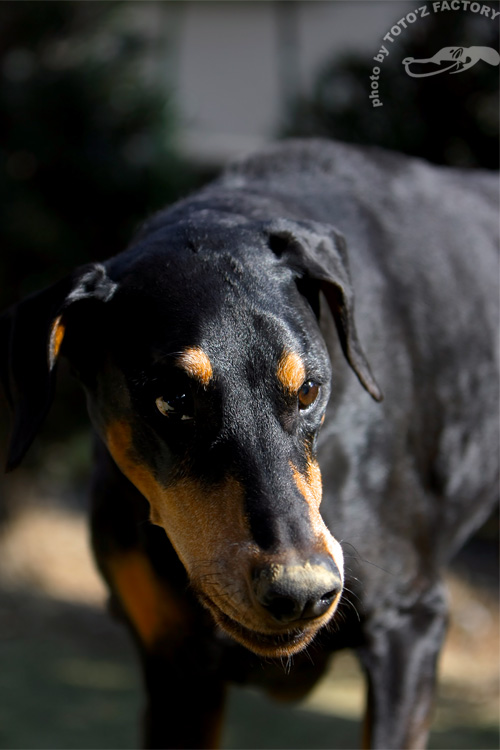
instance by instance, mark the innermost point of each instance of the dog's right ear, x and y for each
(31, 335)
(317, 252)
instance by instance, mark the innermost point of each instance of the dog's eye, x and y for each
(177, 406)
(308, 394)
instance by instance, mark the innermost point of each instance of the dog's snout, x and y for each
(290, 592)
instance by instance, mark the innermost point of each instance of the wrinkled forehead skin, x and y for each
(223, 291)
(217, 317)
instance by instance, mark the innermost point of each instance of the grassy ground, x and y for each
(69, 678)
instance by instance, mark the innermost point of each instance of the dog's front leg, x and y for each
(180, 657)
(185, 698)
(150, 591)
(399, 659)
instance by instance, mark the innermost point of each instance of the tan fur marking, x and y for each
(210, 534)
(310, 486)
(208, 529)
(151, 608)
(197, 364)
(119, 442)
(291, 371)
(203, 524)
(56, 338)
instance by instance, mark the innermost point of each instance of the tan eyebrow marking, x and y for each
(56, 338)
(310, 487)
(291, 371)
(197, 364)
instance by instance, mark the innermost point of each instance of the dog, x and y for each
(293, 383)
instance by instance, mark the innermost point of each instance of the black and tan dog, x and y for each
(218, 390)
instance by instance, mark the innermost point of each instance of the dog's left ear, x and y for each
(31, 336)
(317, 252)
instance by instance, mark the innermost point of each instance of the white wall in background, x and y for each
(227, 78)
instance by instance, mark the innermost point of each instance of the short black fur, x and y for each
(264, 262)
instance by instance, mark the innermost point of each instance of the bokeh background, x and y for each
(108, 111)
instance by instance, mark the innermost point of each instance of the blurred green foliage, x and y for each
(87, 137)
(87, 150)
(449, 118)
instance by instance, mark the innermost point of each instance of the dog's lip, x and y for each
(280, 643)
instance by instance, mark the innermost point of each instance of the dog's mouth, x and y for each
(274, 645)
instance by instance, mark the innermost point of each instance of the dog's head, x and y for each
(207, 378)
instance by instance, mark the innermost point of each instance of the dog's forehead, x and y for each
(210, 330)
(223, 292)
(204, 259)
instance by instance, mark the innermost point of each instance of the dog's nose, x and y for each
(297, 591)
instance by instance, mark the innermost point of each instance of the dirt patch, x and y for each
(47, 549)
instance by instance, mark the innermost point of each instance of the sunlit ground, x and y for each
(69, 676)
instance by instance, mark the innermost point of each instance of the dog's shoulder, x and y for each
(351, 165)
(315, 157)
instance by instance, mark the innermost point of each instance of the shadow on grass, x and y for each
(254, 722)
(69, 679)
